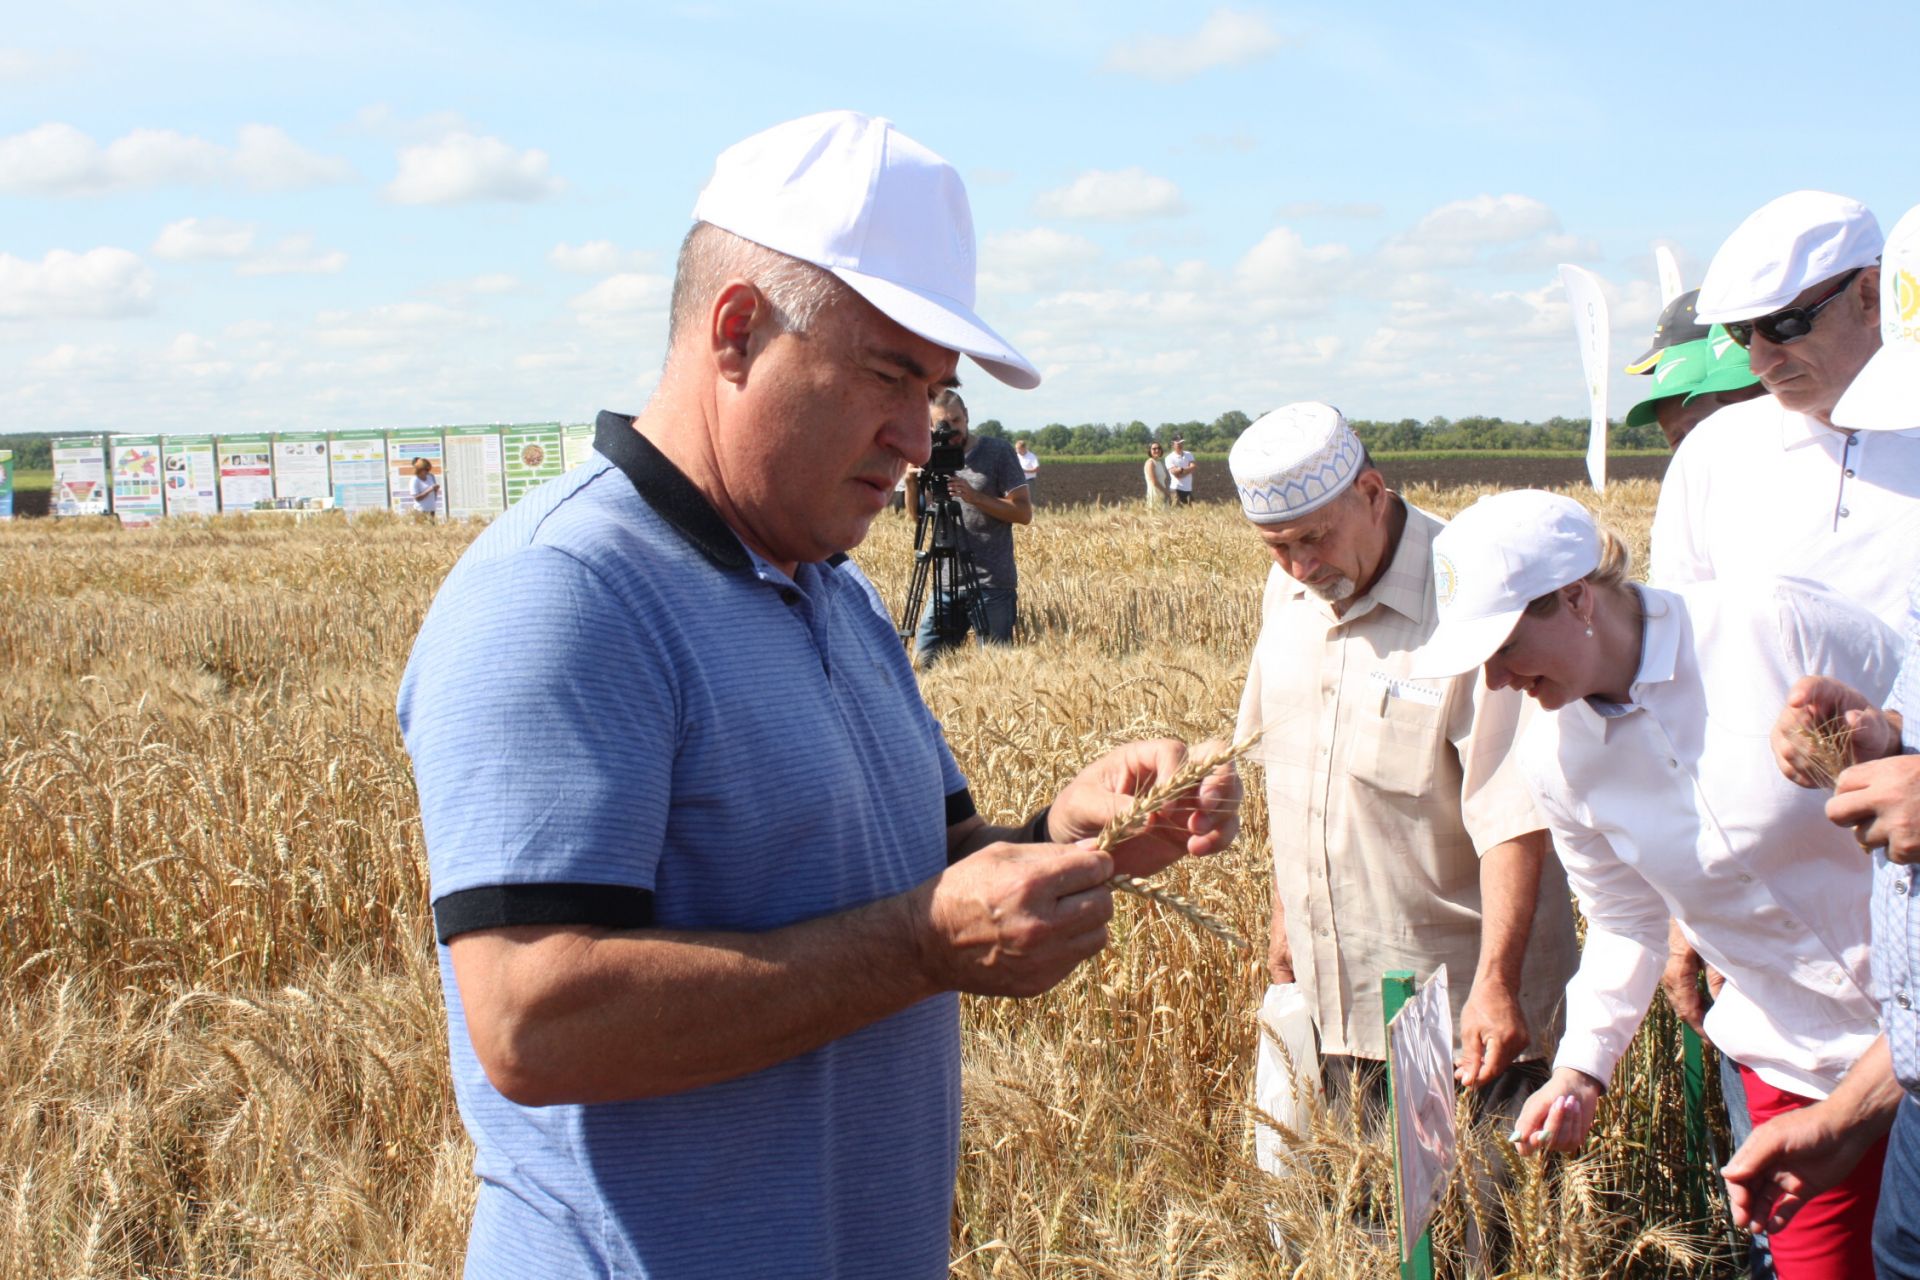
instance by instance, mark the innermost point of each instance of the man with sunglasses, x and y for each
(1772, 487)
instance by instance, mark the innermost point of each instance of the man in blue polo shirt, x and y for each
(705, 876)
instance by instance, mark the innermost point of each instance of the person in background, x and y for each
(426, 489)
(1029, 464)
(1696, 369)
(1180, 469)
(1877, 798)
(1652, 766)
(1159, 483)
(1411, 841)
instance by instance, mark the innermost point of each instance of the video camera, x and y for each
(948, 456)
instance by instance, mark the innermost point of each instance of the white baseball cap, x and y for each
(1495, 558)
(1886, 394)
(853, 195)
(1784, 248)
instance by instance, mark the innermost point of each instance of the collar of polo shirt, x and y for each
(668, 491)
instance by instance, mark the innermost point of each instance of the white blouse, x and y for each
(1671, 805)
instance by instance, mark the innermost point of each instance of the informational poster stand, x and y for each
(246, 473)
(6, 484)
(300, 478)
(577, 443)
(138, 497)
(402, 448)
(532, 457)
(80, 476)
(190, 476)
(359, 463)
(475, 473)
(1420, 1080)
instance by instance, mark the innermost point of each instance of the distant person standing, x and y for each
(1180, 468)
(1029, 463)
(426, 489)
(1159, 483)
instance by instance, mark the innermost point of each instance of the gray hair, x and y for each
(709, 257)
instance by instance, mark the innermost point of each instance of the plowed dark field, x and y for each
(1109, 482)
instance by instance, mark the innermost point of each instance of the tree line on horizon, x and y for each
(35, 452)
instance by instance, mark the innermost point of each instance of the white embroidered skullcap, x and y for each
(1293, 461)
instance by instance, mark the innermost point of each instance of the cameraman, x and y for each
(991, 490)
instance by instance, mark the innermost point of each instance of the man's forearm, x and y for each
(1006, 510)
(1509, 891)
(1868, 1095)
(641, 1013)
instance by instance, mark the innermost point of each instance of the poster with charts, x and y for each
(138, 498)
(190, 476)
(246, 472)
(359, 461)
(532, 457)
(79, 477)
(300, 469)
(577, 443)
(476, 474)
(403, 447)
(6, 484)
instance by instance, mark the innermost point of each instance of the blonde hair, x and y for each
(1613, 573)
(709, 257)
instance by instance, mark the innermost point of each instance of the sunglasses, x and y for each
(1789, 324)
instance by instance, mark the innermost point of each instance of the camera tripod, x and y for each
(942, 560)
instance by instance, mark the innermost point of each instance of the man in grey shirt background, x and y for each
(992, 492)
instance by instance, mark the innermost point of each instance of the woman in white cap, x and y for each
(1654, 771)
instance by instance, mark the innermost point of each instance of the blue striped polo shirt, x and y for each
(619, 716)
(1896, 917)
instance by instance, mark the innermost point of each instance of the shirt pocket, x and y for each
(1394, 750)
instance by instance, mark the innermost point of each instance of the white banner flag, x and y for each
(1589, 308)
(1669, 274)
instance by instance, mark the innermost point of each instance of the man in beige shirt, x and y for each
(1403, 835)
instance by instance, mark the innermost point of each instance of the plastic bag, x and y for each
(1286, 1076)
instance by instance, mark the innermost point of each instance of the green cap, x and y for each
(1699, 368)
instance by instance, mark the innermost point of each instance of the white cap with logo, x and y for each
(1495, 558)
(1885, 396)
(853, 195)
(1784, 248)
(1293, 461)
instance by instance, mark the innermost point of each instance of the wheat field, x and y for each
(224, 1050)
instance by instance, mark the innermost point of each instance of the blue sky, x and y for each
(224, 215)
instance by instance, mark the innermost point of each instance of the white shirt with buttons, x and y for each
(1671, 805)
(1759, 491)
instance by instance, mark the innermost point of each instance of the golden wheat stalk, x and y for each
(1829, 750)
(1175, 791)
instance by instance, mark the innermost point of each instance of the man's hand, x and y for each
(1492, 1032)
(1558, 1115)
(1014, 919)
(1880, 800)
(1681, 981)
(964, 492)
(1203, 822)
(1817, 700)
(1788, 1161)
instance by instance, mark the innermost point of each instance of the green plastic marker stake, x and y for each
(1396, 988)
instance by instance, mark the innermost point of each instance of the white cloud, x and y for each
(203, 240)
(623, 297)
(295, 255)
(1282, 264)
(492, 283)
(57, 159)
(379, 119)
(100, 283)
(394, 325)
(1121, 195)
(463, 167)
(598, 258)
(1503, 233)
(1485, 220)
(1034, 259)
(1298, 209)
(1228, 38)
(188, 348)
(70, 357)
(18, 66)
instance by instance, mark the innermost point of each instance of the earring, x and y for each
(1589, 633)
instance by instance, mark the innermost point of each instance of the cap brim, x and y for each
(941, 320)
(1885, 396)
(1643, 413)
(1462, 645)
(1646, 362)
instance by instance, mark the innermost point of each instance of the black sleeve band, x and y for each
(1037, 826)
(606, 906)
(960, 807)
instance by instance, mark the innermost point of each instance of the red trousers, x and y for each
(1831, 1238)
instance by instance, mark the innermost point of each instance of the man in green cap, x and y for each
(1696, 370)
